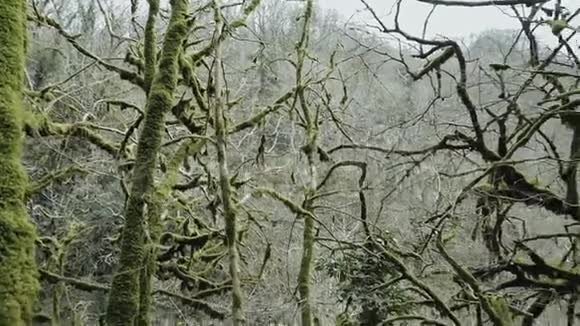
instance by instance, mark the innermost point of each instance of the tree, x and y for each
(124, 298)
(303, 170)
(17, 235)
(498, 132)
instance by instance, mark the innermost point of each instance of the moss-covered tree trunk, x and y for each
(310, 149)
(153, 216)
(18, 275)
(224, 178)
(124, 298)
(149, 263)
(150, 51)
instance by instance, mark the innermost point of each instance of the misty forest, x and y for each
(275, 162)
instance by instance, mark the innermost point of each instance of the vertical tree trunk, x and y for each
(124, 297)
(153, 216)
(18, 275)
(306, 267)
(149, 263)
(225, 187)
(309, 149)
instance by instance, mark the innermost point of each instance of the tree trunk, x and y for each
(310, 149)
(150, 260)
(225, 187)
(18, 275)
(306, 268)
(124, 297)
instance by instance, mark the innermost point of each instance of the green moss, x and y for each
(155, 207)
(190, 147)
(260, 116)
(520, 259)
(251, 7)
(18, 275)
(150, 52)
(38, 125)
(557, 25)
(149, 262)
(293, 207)
(124, 298)
(500, 305)
(556, 282)
(54, 176)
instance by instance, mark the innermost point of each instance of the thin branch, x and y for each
(528, 3)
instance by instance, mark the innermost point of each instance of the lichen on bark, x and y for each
(18, 275)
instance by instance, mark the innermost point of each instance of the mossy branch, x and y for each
(195, 304)
(72, 39)
(191, 147)
(406, 274)
(150, 45)
(248, 9)
(91, 287)
(37, 125)
(493, 308)
(79, 284)
(53, 177)
(435, 63)
(240, 22)
(125, 105)
(292, 206)
(256, 119)
(193, 241)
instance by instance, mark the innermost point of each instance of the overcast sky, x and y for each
(449, 21)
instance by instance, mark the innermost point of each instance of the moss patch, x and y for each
(18, 275)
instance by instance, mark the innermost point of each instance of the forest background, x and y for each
(273, 162)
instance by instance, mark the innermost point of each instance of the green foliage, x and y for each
(500, 305)
(361, 279)
(557, 25)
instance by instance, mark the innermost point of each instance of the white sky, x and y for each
(449, 21)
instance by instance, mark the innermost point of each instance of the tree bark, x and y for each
(124, 298)
(310, 149)
(224, 178)
(18, 274)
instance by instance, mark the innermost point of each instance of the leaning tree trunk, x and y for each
(18, 275)
(124, 299)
